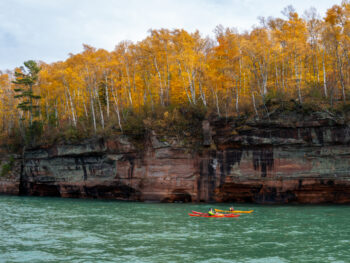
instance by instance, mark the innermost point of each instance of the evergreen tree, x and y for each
(26, 78)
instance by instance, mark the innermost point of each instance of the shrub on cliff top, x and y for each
(185, 120)
(7, 167)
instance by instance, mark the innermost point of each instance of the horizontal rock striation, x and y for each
(283, 162)
(270, 161)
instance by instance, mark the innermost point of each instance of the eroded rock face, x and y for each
(262, 162)
(301, 162)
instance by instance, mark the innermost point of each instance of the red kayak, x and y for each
(218, 214)
(195, 212)
(199, 214)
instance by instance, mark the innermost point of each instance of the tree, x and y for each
(303, 59)
(26, 78)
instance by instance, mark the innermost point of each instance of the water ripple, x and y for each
(70, 230)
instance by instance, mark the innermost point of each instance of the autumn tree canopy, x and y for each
(303, 58)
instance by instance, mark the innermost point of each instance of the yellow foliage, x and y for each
(229, 75)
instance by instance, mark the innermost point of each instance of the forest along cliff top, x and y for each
(174, 73)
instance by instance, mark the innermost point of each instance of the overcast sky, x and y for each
(49, 30)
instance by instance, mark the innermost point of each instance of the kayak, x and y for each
(195, 212)
(234, 211)
(217, 215)
(200, 213)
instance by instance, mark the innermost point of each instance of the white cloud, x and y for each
(50, 29)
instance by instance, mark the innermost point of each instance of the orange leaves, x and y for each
(288, 56)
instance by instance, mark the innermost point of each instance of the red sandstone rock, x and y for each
(261, 164)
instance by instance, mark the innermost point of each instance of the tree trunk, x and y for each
(117, 109)
(93, 111)
(341, 75)
(31, 105)
(161, 97)
(107, 96)
(217, 102)
(101, 113)
(256, 111)
(71, 105)
(324, 76)
(185, 87)
(202, 94)
(297, 79)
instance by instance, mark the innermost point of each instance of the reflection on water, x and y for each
(69, 230)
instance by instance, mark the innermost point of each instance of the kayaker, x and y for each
(232, 209)
(211, 212)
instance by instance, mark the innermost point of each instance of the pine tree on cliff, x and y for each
(26, 79)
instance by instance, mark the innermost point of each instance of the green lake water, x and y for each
(70, 230)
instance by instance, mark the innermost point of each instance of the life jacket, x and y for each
(211, 213)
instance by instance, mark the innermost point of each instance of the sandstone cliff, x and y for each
(303, 160)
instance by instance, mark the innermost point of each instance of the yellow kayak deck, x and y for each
(234, 211)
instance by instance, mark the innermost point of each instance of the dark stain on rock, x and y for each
(44, 190)
(305, 134)
(131, 159)
(330, 182)
(77, 164)
(71, 191)
(319, 134)
(23, 188)
(272, 195)
(263, 160)
(231, 158)
(199, 182)
(211, 179)
(113, 191)
(84, 167)
(206, 183)
(226, 160)
(178, 196)
(240, 193)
